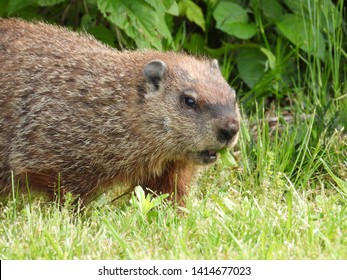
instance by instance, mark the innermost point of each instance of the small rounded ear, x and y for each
(214, 63)
(154, 72)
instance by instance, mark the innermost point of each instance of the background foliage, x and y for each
(263, 45)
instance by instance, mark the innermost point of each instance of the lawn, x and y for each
(283, 192)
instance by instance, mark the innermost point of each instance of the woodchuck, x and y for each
(81, 115)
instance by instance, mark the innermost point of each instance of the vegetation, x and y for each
(284, 196)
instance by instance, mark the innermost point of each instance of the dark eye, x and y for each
(190, 102)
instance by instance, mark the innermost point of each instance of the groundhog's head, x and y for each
(188, 108)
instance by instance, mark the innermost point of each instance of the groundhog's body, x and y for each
(74, 109)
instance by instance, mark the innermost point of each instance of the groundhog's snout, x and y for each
(228, 130)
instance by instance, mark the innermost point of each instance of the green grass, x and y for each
(285, 199)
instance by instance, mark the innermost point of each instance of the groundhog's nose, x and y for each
(227, 131)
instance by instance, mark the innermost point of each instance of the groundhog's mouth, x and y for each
(208, 156)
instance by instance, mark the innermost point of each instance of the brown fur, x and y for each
(75, 108)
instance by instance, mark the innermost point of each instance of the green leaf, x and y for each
(227, 158)
(171, 7)
(240, 30)
(165, 6)
(102, 34)
(299, 31)
(12, 6)
(233, 20)
(228, 12)
(142, 22)
(295, 5)
(195, 44)
(3, 7)
(193, 12)
(45, 3)
(251, 65)
(270, 57)
(87, 22)
(145, 203)
(272, 9)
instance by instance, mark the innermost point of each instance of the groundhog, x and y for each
(78, 116)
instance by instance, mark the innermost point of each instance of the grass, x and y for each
(285, 199)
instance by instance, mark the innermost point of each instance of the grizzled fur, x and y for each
(75, 108)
